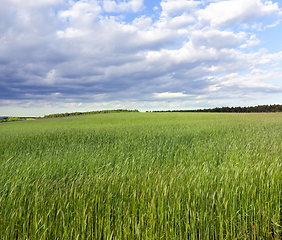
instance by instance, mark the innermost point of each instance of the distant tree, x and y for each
(259, 108)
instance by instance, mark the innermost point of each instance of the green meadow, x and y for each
(142, 176)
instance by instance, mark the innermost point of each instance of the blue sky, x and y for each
(66, 56)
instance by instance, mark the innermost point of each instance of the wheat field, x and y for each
(142, 176)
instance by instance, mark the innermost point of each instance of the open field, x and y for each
(142, 176)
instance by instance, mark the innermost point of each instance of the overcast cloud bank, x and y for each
(177, 54)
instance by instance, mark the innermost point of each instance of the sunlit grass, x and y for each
(142, 176)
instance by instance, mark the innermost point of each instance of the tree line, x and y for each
(84, 113)
(12, 119)
(255, 109)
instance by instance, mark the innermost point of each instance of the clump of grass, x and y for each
(142, 176)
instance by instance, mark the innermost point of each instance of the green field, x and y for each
(142, 176)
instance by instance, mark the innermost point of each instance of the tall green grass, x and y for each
(142, 176)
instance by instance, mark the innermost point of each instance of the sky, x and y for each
(85, 55)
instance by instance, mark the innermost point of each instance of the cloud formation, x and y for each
(121, 53)
(226, 13)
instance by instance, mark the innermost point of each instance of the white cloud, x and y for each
(170, 95)
(257, 80)
(71, 33)
(142, 23)
(231, 12)
(217, 39)
(257, 26)
(253, 41)
(123, 6)
(81, 12)
(180, 21)
(276, 23)
(177, 7)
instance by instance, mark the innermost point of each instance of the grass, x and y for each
(142, 176)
